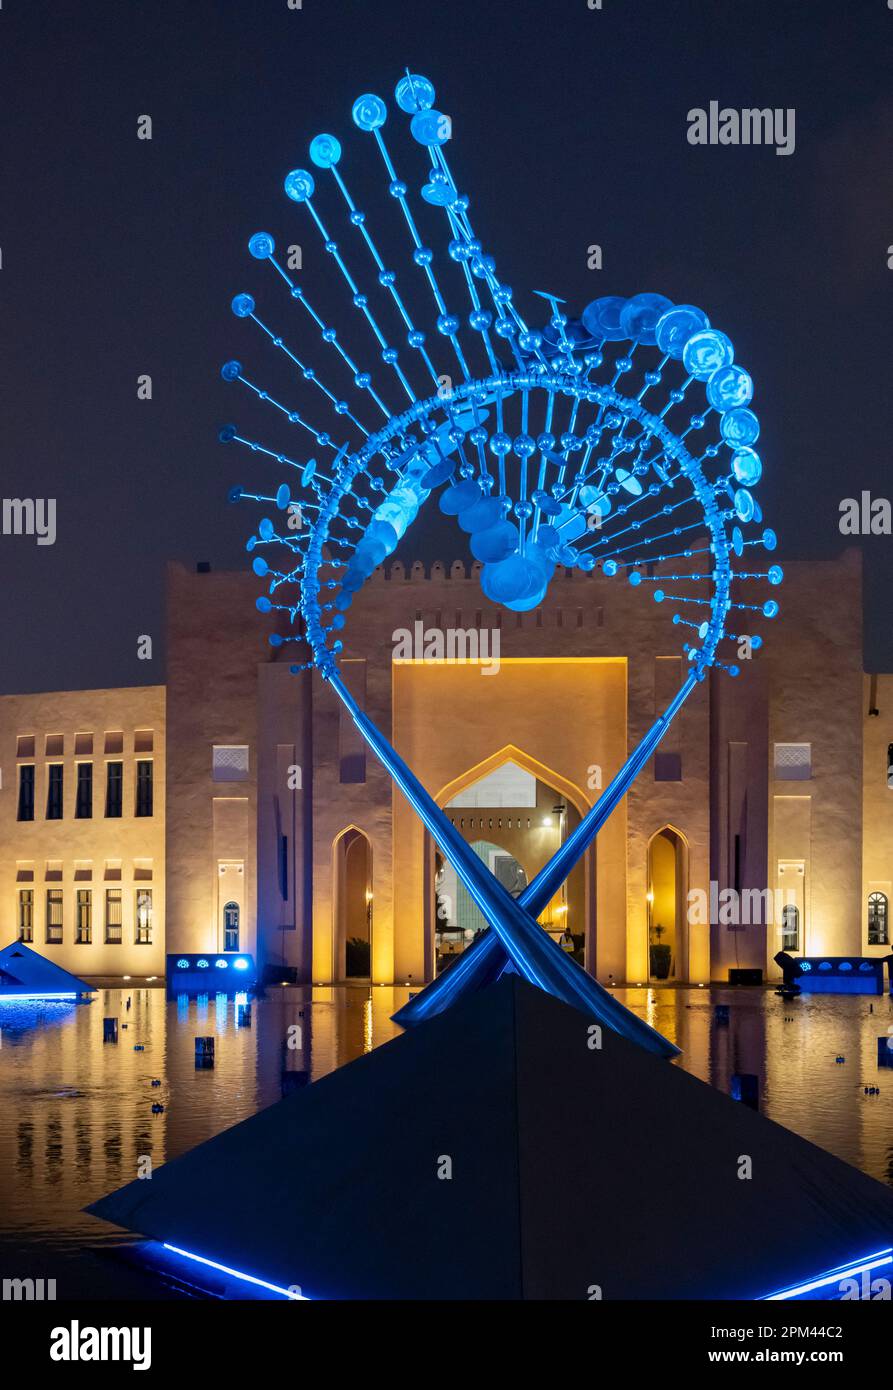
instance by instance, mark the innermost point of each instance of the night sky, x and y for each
(120, 256)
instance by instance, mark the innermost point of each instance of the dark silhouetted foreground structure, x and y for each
(508, 1149)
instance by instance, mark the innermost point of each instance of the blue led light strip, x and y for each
(237, 1274)
(39, 994)
(821, 1281)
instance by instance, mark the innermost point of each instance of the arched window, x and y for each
(231, 927)
(790, 927)
(877, 919)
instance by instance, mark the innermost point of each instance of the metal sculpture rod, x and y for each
(487, 958)
(532, 951)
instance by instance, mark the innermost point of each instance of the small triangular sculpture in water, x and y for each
(510, 1148)
(24, 974)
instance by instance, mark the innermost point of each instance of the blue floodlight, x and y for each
(222, 964)
(240, 964)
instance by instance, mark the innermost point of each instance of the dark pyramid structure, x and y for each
(572, 1166)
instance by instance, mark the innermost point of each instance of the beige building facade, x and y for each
(82, 825)
(764, 822)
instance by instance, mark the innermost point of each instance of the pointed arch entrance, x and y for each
(352, 905)
(516, 812)
(667, 901)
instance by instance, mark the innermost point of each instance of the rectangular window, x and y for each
(83, 805)
(54, 916)
(113, 916)
(667, 766)
(144, 787)
(83, 745)
(54, 791)
(83, 929)
(25, 745)
(26, 792)
(793, 762)
(283, 867)
(114, 786)
(26, 914)
(143, 935)
(143, 741)
(229, 762)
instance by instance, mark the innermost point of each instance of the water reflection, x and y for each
(76, 1113)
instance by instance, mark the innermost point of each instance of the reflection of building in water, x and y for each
(273, 832)
(68, 1140)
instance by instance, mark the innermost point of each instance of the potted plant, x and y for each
(358, 958)
(659, 956)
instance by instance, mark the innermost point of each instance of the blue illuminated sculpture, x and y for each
(27, 975)
(622, 439)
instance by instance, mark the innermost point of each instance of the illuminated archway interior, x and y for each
(353, 905)
(514, 822)
(667, 889)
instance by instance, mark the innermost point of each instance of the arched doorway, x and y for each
(515, 820)
(667, 899)
(790, 927)
(353, 905)
(230, 901)
(878, 911)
